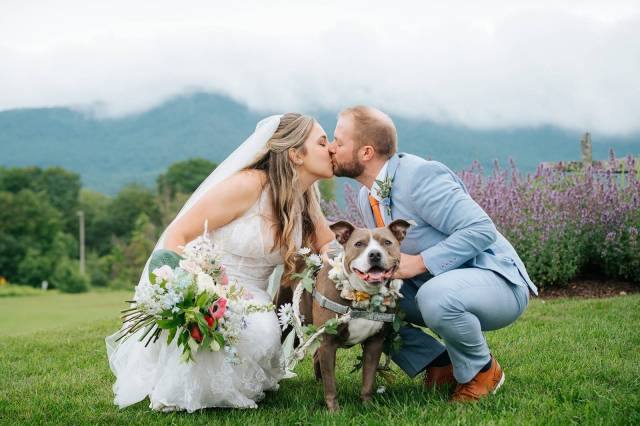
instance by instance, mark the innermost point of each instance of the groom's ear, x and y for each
(343, 230)
(367, 152)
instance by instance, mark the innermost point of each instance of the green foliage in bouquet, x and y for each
(163, 257)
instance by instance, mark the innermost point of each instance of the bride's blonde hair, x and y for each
(291, 207)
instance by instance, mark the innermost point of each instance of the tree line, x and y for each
(39, 225)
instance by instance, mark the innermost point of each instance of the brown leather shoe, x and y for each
(438, 376)
(481, 385)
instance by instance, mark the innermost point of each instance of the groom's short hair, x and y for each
(373, 127)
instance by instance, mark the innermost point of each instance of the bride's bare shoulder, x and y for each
(252, 176)
(246, 184)
(250, 179)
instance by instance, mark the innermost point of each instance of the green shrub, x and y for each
(621, 253)
(67, 277)
(35, 268)
(98, 269)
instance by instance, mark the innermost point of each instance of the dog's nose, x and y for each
(375, 256)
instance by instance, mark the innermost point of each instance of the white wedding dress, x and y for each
(156, 371)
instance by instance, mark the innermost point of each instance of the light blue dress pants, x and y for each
(458, 305)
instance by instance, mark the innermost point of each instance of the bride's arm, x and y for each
(323, 237)
(220, 205)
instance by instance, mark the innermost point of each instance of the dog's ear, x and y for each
(399, 228)
(343, 230)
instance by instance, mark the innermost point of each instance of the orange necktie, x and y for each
(377, 214)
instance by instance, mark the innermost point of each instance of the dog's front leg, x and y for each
(327, 355)
(371, 352)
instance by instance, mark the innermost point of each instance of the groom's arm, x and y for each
(441, 201)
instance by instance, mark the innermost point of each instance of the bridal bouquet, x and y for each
(191, 298)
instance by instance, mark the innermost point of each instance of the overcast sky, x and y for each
(483, 64)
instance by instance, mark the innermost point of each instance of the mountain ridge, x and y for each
(111, 152)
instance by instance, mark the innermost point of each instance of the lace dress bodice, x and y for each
(246, 245)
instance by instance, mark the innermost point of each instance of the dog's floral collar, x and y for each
(381, 301)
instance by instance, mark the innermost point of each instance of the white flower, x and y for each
(315, 259)
(394, 288)
(304, 251)
(215, 346)
(334, 274)
(193, 345)
(190, 266)
(285, 315)
(381, 390)
(164, 273)
(205, 283)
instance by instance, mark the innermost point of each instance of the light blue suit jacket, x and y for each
(451, 231)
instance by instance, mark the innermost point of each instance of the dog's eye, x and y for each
(387, 243)
(359, 244)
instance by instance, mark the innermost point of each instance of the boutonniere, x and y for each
(384, 192)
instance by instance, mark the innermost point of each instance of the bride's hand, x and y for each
(330, 250)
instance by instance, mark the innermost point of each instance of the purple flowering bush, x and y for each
(333, 212)
(561, 223)
(566, 223)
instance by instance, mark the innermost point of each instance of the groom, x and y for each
(461, 276)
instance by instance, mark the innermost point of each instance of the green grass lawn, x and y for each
(566, 361)
(58, 312)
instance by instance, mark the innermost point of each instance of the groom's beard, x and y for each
(352, 169)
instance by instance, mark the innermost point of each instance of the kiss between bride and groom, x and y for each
(460, 275)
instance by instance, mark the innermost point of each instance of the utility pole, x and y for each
(81, 225)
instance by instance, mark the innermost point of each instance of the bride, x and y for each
(261, 207)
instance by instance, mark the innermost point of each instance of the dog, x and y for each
(371, 256)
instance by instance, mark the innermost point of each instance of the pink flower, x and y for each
(224, 279)
(217, 309)
(190, 266)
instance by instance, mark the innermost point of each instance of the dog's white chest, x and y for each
(361, 329)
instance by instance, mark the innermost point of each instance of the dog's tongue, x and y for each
(375, 275)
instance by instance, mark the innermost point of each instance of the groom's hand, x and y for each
(410, 266)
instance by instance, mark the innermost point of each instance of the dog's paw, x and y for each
(333, 406)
